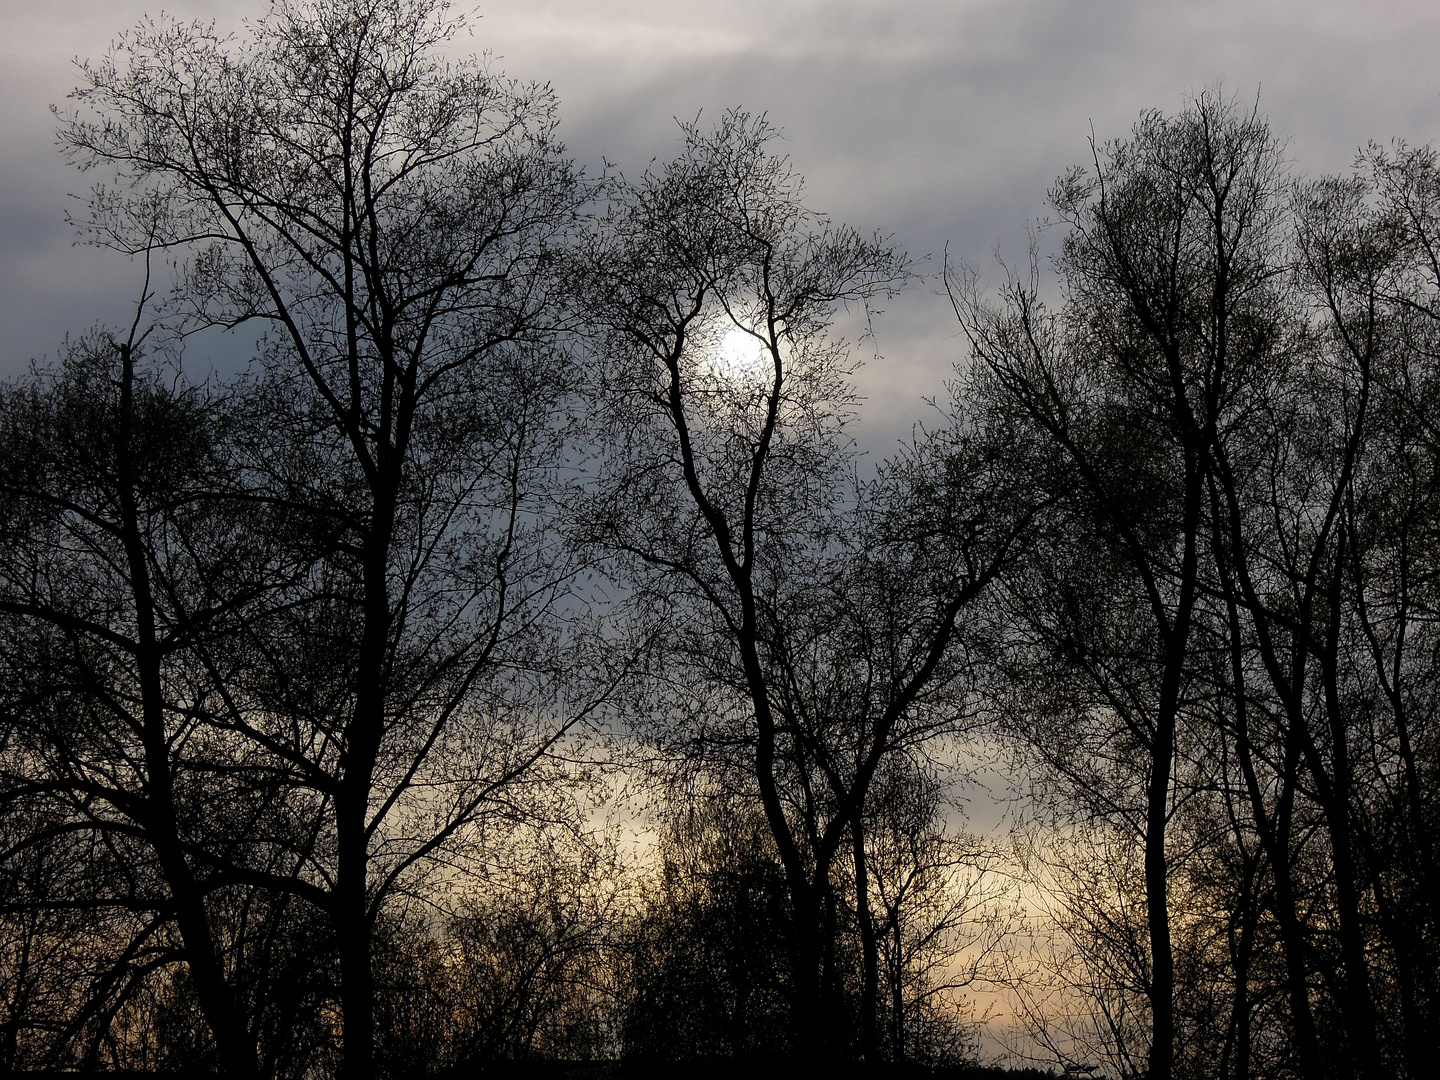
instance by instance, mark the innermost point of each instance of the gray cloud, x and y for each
(935, 121)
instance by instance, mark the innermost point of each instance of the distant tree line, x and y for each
(539, 487)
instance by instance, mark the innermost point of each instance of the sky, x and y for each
(939, 122)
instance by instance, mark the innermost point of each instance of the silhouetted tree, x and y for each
(1168, 265)
(392, 220)
(806, 630)
(706, 973)
(124, 556)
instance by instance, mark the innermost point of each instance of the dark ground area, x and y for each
(719, 1070)
(654, 1071)
(726, 1069)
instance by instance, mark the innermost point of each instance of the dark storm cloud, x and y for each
(937, 122)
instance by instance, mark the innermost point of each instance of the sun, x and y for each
(741, 355)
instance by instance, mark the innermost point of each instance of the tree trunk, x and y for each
(363, 735)
(830, 997)
(809, 1044)
(1358, 1006)
(1176, 641)
(1275, 836)
(870, 948)
(352, 927)
(1235, 1058)
(235, 1049)
(1157, 905)
(897, 994)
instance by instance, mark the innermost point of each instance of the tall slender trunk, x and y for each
(1413, 936)
(1176, 639)
(20, 998)
(1235, 1057)
(1356, 1003)
(1275, 836)
(1405, 949)
(1288, 679)
(897, 993)
(351, 917)
(804, 902)
(363, 735)
(1157, 905)
(1274, 832)
(236, 1049)
(805, 1000)
(830, 995)
(1359, 1007)
(869, 947)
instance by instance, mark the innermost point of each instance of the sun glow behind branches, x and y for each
(741, 356)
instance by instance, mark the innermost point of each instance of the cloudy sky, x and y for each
(938, 121)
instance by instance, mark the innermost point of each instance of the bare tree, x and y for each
(936, 913)
(124, 558)
(391, 220)
(1168, 268)
(724, 491)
